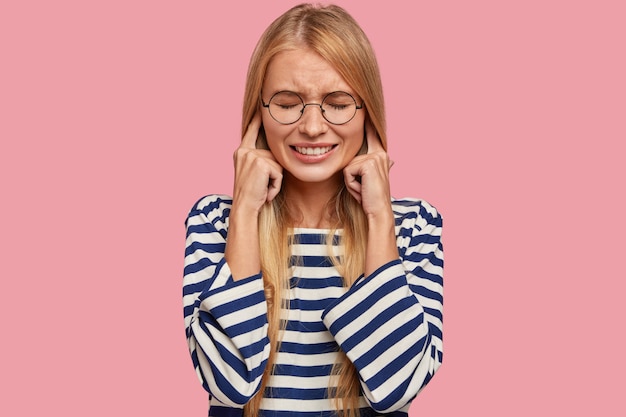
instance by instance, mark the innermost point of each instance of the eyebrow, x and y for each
(321, 97)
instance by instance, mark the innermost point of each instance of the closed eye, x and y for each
(288, 106)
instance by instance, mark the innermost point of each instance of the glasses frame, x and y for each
(304, 106)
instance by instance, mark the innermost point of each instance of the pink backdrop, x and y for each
(509, 117)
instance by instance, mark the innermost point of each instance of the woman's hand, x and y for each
(367, 179)
(258, 176)
(367, 176)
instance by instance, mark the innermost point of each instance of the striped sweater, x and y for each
(389, 323)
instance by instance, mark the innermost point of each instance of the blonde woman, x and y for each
(311, 291)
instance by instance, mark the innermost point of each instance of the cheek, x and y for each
(357, 125)
(269, 128)
(275, 134)
(356, 138)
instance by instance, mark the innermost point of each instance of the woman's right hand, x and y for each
(258, 177)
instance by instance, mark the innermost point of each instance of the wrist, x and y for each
(242, 214)
(242, 243)
(382, 219)
(381, 243)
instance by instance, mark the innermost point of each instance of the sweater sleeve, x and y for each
(225, 320)
(389, 324)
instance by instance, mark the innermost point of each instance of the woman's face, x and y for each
(311, 150)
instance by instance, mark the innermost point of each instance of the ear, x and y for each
(261, 140)
(363, 149)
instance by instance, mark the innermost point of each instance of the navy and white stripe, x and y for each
(389, 323)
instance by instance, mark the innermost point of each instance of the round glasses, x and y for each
(287, 107)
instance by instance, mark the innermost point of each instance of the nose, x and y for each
(312, 123)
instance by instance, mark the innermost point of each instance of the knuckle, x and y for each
(372, 163)
(240, 151)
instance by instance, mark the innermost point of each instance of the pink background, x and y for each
(116, 116)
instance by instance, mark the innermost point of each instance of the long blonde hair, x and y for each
(335, 36)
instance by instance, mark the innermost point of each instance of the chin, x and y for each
(315, 176)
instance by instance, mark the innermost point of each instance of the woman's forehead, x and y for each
(305, 72)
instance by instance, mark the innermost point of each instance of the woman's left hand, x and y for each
(367, 176)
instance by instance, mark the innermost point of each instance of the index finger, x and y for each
(373, 141)
(249, 138)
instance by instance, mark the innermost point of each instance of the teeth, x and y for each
(313, 151)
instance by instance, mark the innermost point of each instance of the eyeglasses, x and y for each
(287, 107)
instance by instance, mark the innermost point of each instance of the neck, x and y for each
(308, 202)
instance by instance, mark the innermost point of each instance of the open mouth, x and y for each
(318, 150)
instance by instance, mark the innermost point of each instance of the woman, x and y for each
(311, 291)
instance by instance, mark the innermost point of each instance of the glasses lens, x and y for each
(339, 107)
(286, 107)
